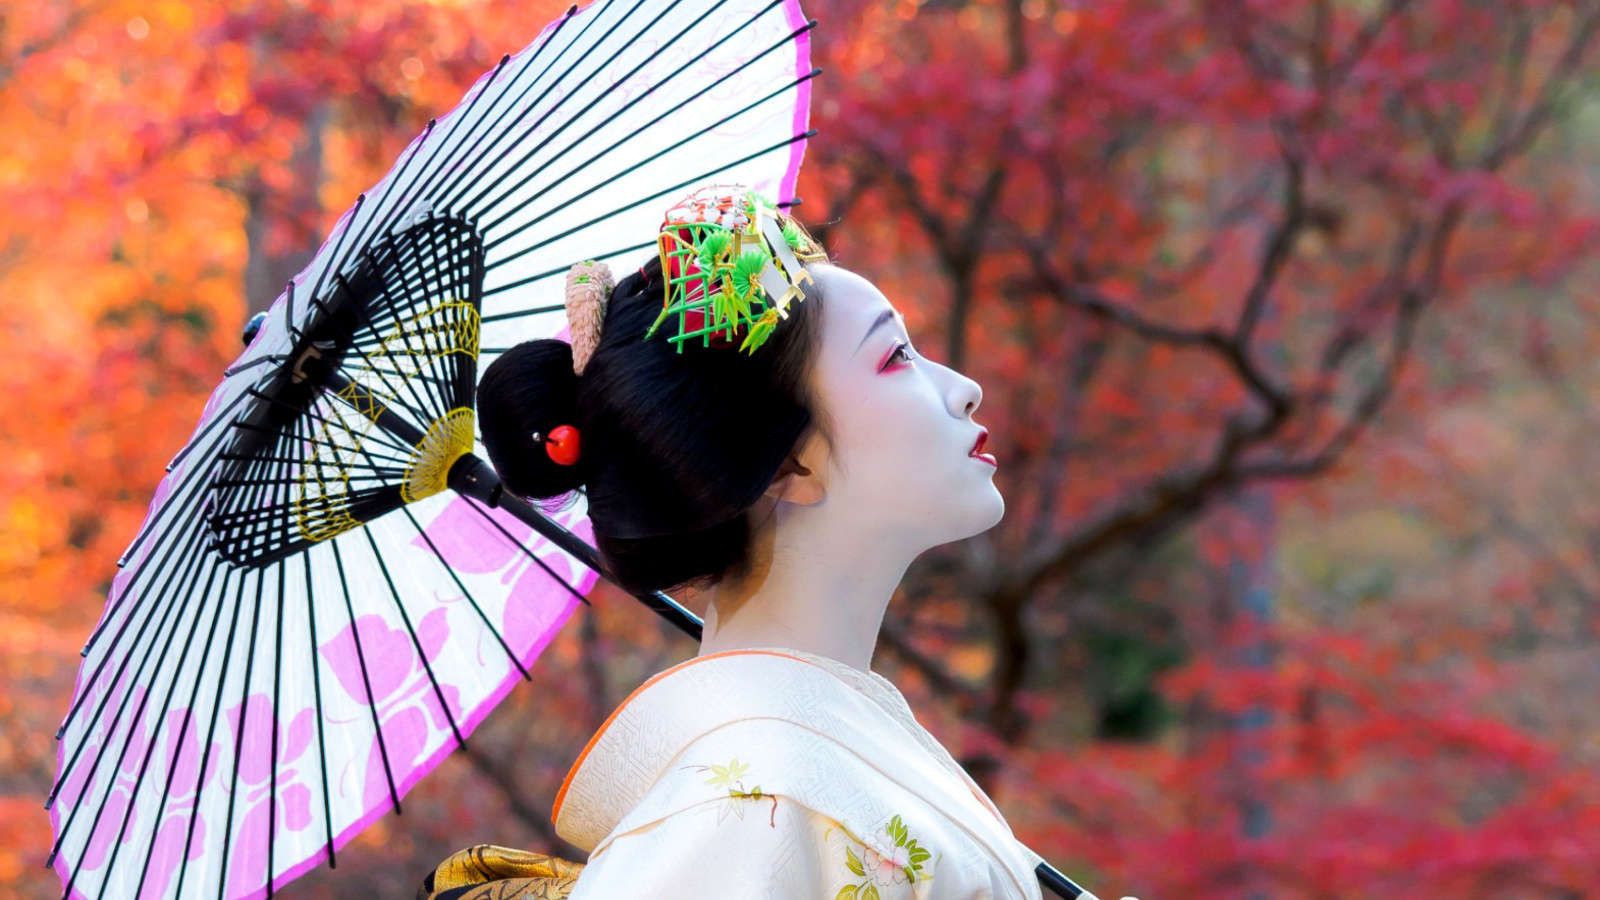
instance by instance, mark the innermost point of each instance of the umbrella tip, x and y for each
(50, 861)
(572, 9)
(505, 58)
(252, 327)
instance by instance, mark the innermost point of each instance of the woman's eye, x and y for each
(901, 351)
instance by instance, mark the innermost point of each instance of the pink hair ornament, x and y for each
(589, 286)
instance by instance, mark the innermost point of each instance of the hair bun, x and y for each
(531, 388)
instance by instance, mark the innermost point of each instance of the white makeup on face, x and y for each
(904, 433)
(898, 479)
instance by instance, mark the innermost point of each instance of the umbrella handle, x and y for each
(1051, 878)
(475, 478)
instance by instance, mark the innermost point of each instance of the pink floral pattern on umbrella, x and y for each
(406, 704)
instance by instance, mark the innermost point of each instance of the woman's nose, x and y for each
(966, 396)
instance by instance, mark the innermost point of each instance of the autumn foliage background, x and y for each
(1286, 318)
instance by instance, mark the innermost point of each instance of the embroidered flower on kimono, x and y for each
(889, 856)
(884, 861)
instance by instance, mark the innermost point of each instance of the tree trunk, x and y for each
(268, 268)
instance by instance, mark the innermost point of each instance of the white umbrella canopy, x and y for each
(329, 592)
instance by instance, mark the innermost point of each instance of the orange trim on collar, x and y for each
(555, 812)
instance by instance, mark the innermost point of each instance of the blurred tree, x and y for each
(1122, 206)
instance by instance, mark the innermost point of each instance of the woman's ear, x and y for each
(796, 482)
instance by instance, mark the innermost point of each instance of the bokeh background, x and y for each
(1286, 316)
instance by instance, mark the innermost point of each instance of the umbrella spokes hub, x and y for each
(372, 406)
(448, 439)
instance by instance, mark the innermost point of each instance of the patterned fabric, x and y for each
(778, 774)
(488, 872)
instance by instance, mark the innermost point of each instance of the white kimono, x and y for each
(781, 775)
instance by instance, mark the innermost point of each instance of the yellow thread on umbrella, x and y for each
(448, 439)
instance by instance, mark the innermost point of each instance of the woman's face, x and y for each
(901, 457)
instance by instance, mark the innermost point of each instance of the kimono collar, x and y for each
(644, 735)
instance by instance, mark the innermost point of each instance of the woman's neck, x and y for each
(814, 587)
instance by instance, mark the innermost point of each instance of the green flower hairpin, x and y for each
(732, 261)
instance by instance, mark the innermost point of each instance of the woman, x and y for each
(792, 462)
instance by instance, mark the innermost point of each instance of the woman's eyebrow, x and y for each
(883, 317)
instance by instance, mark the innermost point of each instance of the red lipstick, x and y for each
(977, 449)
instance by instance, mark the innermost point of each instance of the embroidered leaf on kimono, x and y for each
(897, 830)
(853, 862)
(870, 892)
(848, 892)
(916, 855)
(725, 776)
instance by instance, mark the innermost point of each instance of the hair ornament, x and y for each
(562, 444)
(731, 262)
(589, 286)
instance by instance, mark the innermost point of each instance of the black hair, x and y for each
(675, 448)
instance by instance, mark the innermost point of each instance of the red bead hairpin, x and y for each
(561, 444)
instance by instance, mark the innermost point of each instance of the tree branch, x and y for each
(1102, 307)
(1364, 40)
(1543, 108)
(963, 695)
(536, 820)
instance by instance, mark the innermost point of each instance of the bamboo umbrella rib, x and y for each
(211, 727)
(110, 731)
(518, 544)
(416, 642)
(656, 196)
(194, 539)
(316, 685)
(567, 151)
(166, 705)
(188, 716)
(449, 569)
(366, 680)
(469, 204)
